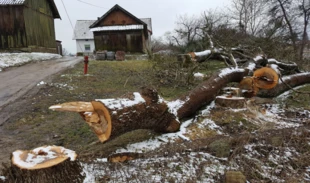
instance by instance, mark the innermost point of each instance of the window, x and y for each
(87, 47)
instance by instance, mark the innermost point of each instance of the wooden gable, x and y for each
(118, 17)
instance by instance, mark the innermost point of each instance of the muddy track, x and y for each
(17, 88)
(19, 83)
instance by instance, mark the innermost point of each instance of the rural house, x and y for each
(28, 25)
(119, 30)
(84, 37)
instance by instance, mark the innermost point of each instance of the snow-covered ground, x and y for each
(181, 167)
(16, 59)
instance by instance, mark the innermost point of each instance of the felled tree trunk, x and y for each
(208, 90)
(145, 110)
(287, 83)
(112, 117)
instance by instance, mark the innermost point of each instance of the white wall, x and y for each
(80, 45)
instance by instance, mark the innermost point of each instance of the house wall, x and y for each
(12, 27)
(39, 23)
(80, 45)
(117, 17)
(128, 41)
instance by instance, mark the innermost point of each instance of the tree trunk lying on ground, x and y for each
(145, 110)
(285, 84)
(112, 117)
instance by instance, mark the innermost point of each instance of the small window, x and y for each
(87, 47)
(86, 39)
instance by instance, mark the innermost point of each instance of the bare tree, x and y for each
(249, 15)
(295, 16)
(65, 51)
(304, 7)
(186, 33)
(158, 44)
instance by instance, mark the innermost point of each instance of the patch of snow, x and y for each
(207, 110)
(259, 57)
(36, 156)
(180, 167)
(174, 106)
(199, 75)
(2, 178)
(251, 66)
(16, 59)
(122, 102)
(230, 98)
(41, 83)
(203, 53)
(117, 27)
(276, 68)
(227, 71)
(32, 159)
(63, 86)
(211, 125)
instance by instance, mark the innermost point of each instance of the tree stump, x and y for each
(47, 164)
(230, 101)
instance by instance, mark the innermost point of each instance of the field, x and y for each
(265, 142)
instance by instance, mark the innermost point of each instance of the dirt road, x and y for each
(18, 81)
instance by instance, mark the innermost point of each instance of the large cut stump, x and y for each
(47, 164)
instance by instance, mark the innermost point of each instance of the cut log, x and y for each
(112, 117)
(208, 90)
(286, 84)
(265, 78)
(44, 164)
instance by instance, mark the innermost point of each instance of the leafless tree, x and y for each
(65, 51)
(304, 7)
(158, 44)
(294, 16)
(186, 32)
(249, 15)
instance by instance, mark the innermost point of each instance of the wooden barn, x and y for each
(119, 30)
(28, 25)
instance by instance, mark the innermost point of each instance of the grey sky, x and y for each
(163, 13)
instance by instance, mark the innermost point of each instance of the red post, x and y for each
(85, 64)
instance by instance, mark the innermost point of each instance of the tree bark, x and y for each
(67, 171)
(208, 90)
(110, 118)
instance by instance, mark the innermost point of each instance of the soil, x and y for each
(17, 89)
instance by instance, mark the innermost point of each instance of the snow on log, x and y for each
(112, 117)
(285, 67)
(42, 157)
(207, 91)
(43, 164)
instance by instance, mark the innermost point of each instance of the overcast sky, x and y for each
(163, 13)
